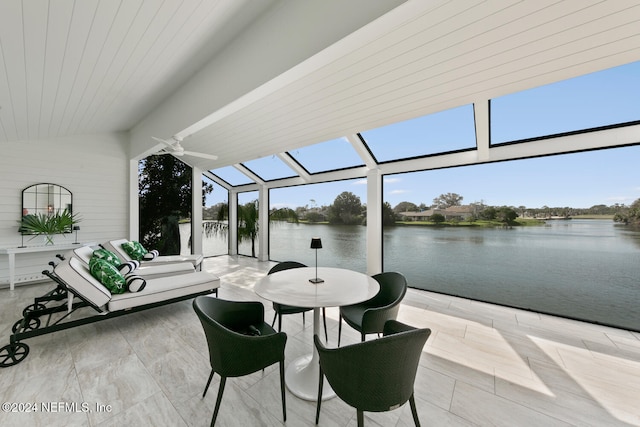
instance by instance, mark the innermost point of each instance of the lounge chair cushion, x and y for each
(84, 253)
(116, 247)
(151, 271)
(108, 275)
(77, 276)
(165, 288)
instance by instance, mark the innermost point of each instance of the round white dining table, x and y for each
(293, 287)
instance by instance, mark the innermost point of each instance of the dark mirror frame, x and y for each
(46, 198)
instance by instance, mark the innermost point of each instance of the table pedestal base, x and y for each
(301, 377)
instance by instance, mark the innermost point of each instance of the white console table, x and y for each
(11, 252)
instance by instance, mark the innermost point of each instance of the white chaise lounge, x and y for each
(77, 288)
(84, 254)
(77, 277)
(115, 246)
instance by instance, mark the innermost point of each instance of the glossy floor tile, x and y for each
(483, 365)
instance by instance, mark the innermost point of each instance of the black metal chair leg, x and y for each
(339, 329)
(412, 402)
(282, 386)
(304, 319)
(279, 322)
(360, 418)
(324, 320)
(223, 381)
(208, 383)
(274, 318)
(320, 382)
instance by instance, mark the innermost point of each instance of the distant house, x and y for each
(416, 216)
(458, 212)
(453, 212)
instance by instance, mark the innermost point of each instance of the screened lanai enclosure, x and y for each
(524, 108)
(482, 148)
(487, 150)
(550, 154)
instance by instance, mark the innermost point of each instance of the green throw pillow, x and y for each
(141, 248)
(135, 250)
(108, 256)
(108, 275)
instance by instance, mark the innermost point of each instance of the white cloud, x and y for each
(391, 180)
(360, 182)
(399, 191)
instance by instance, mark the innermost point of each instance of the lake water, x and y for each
(583, 269)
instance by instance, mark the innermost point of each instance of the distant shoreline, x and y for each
(593, 217)
(520, 222)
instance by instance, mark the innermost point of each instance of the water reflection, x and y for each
(343, 246)
(633, 234)
(585, 269)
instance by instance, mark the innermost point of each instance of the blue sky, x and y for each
(578, 180)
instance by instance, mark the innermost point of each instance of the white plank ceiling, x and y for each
(90, 66)
(420, 58)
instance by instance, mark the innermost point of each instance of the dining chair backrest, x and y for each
(281, 309)
(232, 352)
(370, 316)
(376, 375)
(240, 342)
(285, 265)
(385, 305)
(393, 287)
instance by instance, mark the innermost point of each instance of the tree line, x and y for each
(165, 199)
(630, 215)
(348, 209)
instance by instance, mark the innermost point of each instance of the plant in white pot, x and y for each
(48, 224)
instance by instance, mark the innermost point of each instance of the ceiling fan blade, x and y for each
(203, 155)
(165, 142)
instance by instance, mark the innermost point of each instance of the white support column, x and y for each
(134, 205)
(481, 112)
(263, 223)
(374, 222)
(196, 211)
(233, 222)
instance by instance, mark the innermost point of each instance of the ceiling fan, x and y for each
(174, 147)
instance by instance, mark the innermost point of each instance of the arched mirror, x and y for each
(46, 199)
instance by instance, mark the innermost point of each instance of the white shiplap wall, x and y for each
(93, 167)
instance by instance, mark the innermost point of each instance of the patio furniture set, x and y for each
(375, 375)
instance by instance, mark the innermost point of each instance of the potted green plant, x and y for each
(48, 224)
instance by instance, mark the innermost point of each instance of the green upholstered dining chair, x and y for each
(369, 317)
(376, 375)
(283, 309)
(240, 342)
